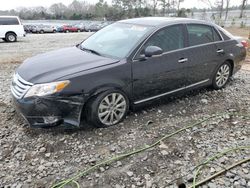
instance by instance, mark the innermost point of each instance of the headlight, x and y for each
(46, 89)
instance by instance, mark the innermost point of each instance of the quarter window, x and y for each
(216, 35)
(199, 34)
(168, 39)
(224, 35)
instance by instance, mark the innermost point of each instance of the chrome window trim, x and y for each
(170, 92)
(185, 48)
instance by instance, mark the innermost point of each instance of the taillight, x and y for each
(244, 43)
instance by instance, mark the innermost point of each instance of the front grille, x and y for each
(19, 86)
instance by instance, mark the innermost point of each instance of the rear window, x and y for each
(199, 34)
(8, 21)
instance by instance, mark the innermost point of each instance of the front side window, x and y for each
(168, 39)
(199, 34)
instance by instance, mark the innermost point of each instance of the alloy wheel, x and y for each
(11, 38)
(222, 75)
(112, 109)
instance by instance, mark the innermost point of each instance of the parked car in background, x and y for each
(125, 64)
(69, 28)
(26, 28)
(93, 27)
(104, 24)
(11, 28)
(59, 29)
(80, 27)
(43, 29)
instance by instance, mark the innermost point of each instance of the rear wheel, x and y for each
(10, 37)
(222, 75)
(108, 108)
(67, 31)
(42, 31)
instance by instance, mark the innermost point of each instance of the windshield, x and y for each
(115, 40)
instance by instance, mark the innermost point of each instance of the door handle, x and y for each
(220, 51)
(182, 60)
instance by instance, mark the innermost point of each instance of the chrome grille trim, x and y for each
(19, 86)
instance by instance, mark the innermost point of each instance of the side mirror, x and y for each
(153, 51)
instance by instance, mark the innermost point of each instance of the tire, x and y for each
(42, 31)
(222, 75)
(54, 31)
(10, 37)
(67, 31)
(78, 30)
(105, 111)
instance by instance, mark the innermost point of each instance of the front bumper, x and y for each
(44, 112)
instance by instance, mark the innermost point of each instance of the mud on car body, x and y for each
(125, 64)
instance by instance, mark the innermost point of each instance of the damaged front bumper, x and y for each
(51, 111)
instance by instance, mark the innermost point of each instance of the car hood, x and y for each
(53, 65)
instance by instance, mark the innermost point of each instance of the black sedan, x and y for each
(125, 64)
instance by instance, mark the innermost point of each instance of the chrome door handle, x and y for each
(220, 51)
(182, 60)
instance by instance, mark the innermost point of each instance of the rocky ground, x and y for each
(39, 158)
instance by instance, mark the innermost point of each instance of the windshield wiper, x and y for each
(90, 50)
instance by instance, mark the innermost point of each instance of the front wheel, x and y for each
(108, 108)
(222, 75)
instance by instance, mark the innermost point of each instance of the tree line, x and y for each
(121, 9)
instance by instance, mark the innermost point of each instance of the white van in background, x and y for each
(11, 28)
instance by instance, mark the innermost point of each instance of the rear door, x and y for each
(203, 54)
(156, 76)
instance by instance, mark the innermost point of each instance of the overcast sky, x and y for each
(13, 4)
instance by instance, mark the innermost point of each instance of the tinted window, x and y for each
(216, 35)
(169, 38)
(8, 21)
(225, 37)
(199, 34)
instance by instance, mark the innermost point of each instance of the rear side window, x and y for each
(8, 21)
(199, 34)
(168, 39)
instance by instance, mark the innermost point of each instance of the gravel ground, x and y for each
(39, 158)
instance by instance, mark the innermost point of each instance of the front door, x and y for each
(155, 76)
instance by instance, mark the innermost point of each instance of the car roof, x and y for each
(8, 16)
(161, 21)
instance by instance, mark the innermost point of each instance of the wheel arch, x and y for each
(231, 62)
(10, 32)
(96, 91)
